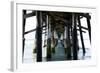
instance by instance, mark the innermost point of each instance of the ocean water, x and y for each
(29, 57)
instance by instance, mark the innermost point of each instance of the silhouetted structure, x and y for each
(59, 22)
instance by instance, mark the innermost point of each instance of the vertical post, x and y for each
(23, 30)
(52, 37)
(48, 40)
(68, 43)
(45, 22)
(52, 41)
(65, 41)
(39, 36)
(89, 27)
(81, 35)
(75, 48)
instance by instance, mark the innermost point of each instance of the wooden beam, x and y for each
(83, 27)
(39, 36)
(30, 14)
(85, 15)
(23, 31)
(69, 43)
(82, 30)
(89, 28)
(74, 37)
(30, 31)
(49, 39)
(81, 35)
(61, 18)
(44, 32)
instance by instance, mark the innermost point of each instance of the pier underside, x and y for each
(56, 36)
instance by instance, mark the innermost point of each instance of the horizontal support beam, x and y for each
(44, 33)
(30, 31)
(82, 31)
(83, 27)
(61, 18)
(29, 14)
(85, 15)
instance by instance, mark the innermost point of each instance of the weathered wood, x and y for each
(39, 36)
(23, 30)
(86, 15)
(81, 35)
(30, 31)
(74, 37)
(49, 39)
(89, 28)
(69, 44)
(30, 14)
(82, 27)
(82, 30)
(52, 40)
(48, 49)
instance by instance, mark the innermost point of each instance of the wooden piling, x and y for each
(49, 39)
(74, 37)
(39, 36)
(23, 30)
(68, 43)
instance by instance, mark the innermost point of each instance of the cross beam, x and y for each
(30, 14)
